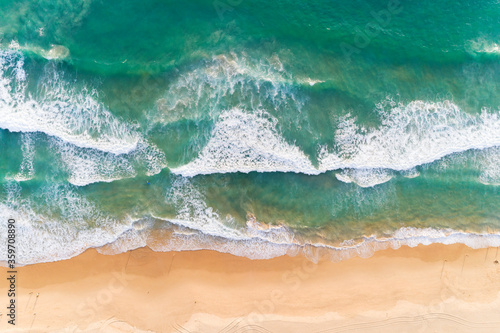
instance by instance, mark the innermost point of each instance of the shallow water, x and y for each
(263, 128)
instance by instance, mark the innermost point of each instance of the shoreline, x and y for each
(437, 286)
(260, 241)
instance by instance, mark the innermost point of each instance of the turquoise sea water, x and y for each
(257, 128)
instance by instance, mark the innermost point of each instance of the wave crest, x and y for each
(411, 135)
(58, 109)
(245, 142)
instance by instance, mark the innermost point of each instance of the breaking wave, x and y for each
(92, 144)
(81, 225)
(409, 136)
(59, 109)
(245, 142)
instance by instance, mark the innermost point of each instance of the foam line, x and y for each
(411, 135)
(43, 238)
(245, 142)
(72, 115)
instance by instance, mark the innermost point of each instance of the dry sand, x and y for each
(434, 288)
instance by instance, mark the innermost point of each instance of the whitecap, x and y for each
(482, 45)
(87, 166)
(364, 177)
(60, 110)
(69, 224)
(222, 83)
(490, 167)
(56, 52)
(410, 135)
(27, 169)
(245, 142)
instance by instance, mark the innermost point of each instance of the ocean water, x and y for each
(258, 128)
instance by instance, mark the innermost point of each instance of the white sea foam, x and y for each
(411, 135)
(245, 142)
(312, 82)
(193, 212)
(364, 177)
(59, 109)
(198, 226)
(46, 246)
(202, 221)
(490, 167)
(242, 140)
(150, 156)
(224, 82)
(258, 247)
(93, 145)
(206, 230)
(27, 170)
(410, 173)
(86, 166)
(56, 52)
(69, 225)
(482, 45)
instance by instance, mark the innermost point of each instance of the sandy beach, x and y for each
(436, 288)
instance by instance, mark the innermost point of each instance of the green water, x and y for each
(326, 122)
